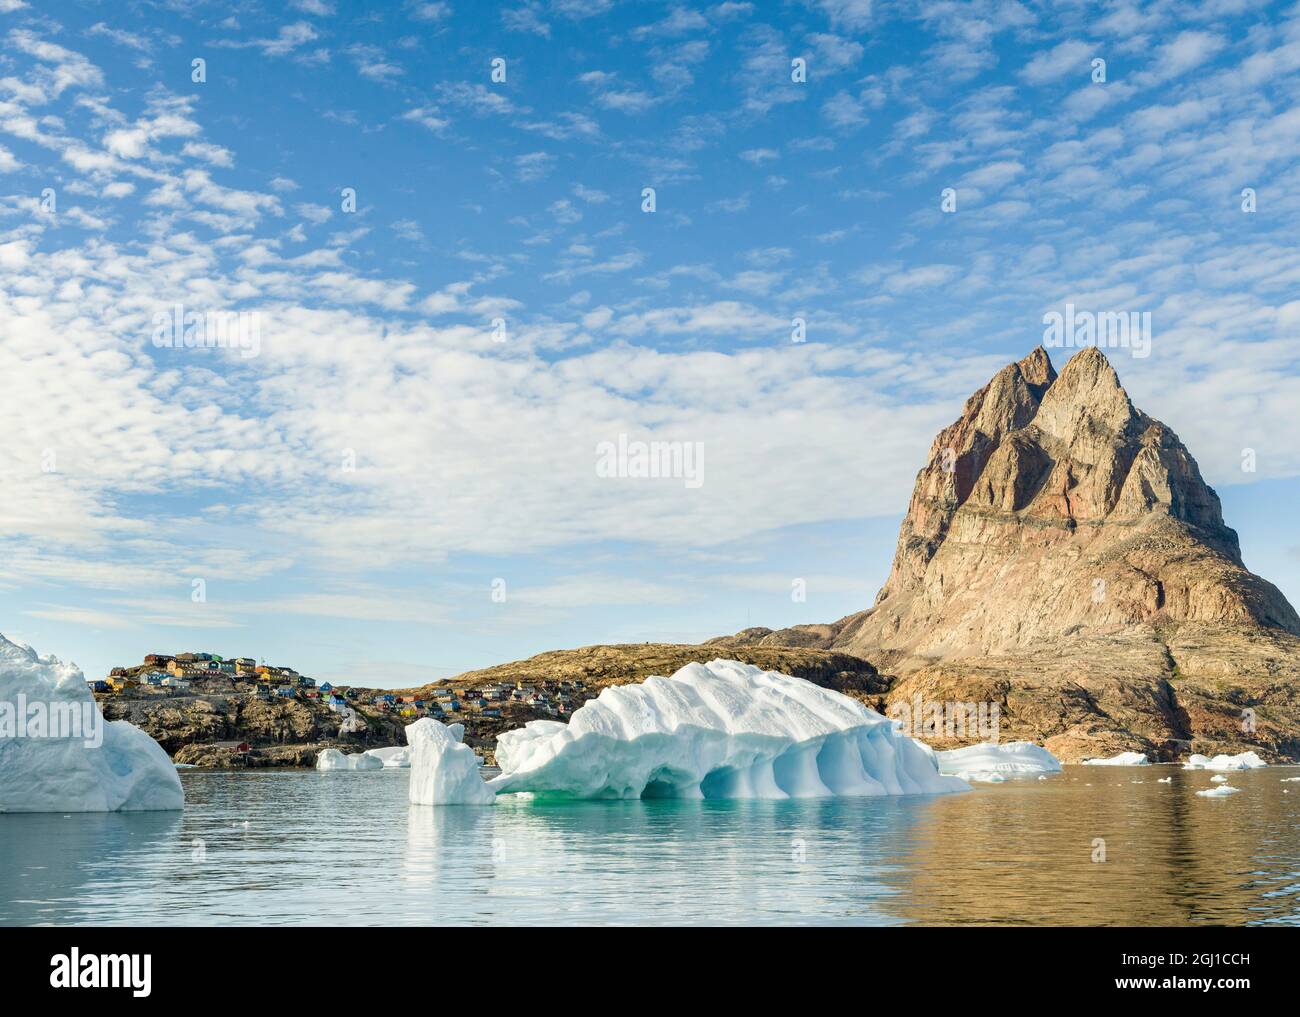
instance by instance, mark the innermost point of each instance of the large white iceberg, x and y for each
(333, 759)
(1242, 761)
(717, 730)
(58, 754)
(995, 761)
(1123, 759)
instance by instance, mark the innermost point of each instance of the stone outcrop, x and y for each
(1062, 556)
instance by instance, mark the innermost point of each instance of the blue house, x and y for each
(100, 686)
(284, 692)
(327, 687)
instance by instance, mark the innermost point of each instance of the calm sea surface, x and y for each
(291, 847)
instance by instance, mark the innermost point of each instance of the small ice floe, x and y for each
(980, 777)
(1290, 780)
(395, 757)
(1241, 761)
(993, 762)
(333, 759)
(1218, 778)
(1123, 759)
(1222, 791)
(1164, 780)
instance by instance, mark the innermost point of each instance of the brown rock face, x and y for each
(1062, 556)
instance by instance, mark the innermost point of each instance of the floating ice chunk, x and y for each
(1164, 780)
(1241, 761)
(981, 776)
(1123, 759)
(333, 759)
(396, 756)
(717, 730)
(73, 761)
(1290, 780)
(444, 771)
(1005, 759)
(1218, 778)
(1222, 791)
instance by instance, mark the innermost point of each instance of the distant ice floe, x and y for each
(394, 757)
(1242, 761)
(1123, 759)
(333, 759)
(74, 761)
(993, 763)
(1222, 791)
(717, 730)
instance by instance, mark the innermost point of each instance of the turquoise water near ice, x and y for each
(301, 847)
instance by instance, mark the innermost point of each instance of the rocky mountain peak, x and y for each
(1062, 554)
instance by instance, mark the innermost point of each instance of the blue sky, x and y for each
(348, 496)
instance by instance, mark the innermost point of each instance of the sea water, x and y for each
(284, 847)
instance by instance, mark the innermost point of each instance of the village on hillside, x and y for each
(484, 709)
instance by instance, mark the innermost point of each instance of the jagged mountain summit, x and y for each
(1062, 555)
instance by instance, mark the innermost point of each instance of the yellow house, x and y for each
(118, 684)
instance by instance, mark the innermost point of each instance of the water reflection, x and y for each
(347, 848)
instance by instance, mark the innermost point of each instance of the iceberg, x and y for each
(993, 762)
(333, 759)
(57, 753)
(1222, 791)
(396, 756)
(1123, 759)
(1242, 761)
(718, 730)
(444, 770)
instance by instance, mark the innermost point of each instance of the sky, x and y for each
(477, 246)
